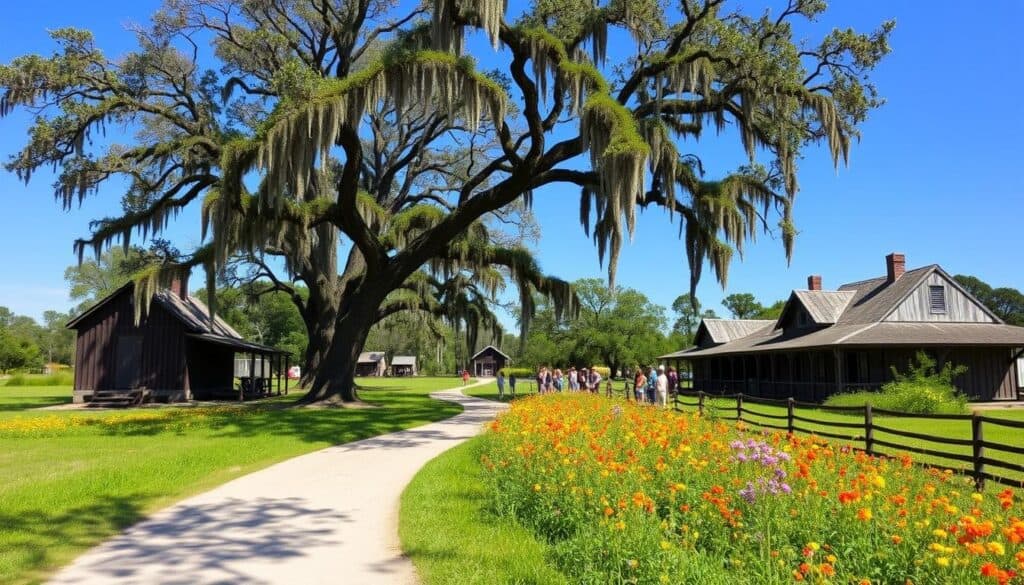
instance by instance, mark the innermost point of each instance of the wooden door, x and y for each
(129, 362)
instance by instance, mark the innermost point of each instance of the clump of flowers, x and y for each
(635, 495)
(770, 460)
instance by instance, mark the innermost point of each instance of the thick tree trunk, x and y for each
(334, 380)
(320, 319)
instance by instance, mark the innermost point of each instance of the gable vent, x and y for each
(937, 298)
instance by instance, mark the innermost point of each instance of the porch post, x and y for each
(792, 377)
(813, 377)
(757, 374)
(839, 370)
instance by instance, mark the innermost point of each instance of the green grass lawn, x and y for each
(69, 479)
(453, 539)
(18, 398)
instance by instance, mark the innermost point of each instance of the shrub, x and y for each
(924, 389)
(631, 494)
(519, 373)
(59, 379)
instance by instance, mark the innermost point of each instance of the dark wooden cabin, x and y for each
(175, 352)
(488, 361)
(827, 342)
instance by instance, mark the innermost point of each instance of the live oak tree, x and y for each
(322, 136)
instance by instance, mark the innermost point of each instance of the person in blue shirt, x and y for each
(501, 384)
(652, 383)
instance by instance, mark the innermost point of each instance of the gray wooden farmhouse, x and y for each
(826, 342)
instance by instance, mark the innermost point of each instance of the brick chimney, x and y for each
(814, 282)
(179, 286)
(895, 266)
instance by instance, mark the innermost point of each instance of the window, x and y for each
(937, 298)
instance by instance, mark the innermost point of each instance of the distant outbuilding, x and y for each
(403, 365)
(488, 361)
(372, 363)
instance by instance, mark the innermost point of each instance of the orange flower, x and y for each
(864, 514)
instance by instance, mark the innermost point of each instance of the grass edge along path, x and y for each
(71, 479)
(452, 538)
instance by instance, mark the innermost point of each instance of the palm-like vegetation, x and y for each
(355, 142)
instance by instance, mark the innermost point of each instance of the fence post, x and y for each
(869, 430)
(739, 407)
(700, 402)
(978, 451)
(789, 416)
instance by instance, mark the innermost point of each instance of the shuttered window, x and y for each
(937, 296)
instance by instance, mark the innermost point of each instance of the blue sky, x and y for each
(935, 175)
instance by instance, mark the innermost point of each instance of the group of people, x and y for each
(655, 386)
(651, 387)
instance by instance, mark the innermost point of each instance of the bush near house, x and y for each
(924, 389)
(631, 494)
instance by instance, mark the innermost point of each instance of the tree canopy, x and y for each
(1007, 303)
(350, 144)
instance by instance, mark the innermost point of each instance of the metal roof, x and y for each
(873, 334)
(875, 298)
(238, 344)
(853, 316)
(726, 330)
(489, 347)
(403, 360)
(824, 306)
(195, 314)
(370, 357)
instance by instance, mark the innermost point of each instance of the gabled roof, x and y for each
(855, 316)
(875, 298)
(403, 360)
(823, 306)
(496, 350)
(370, 357)
(193, 314)
(726, 330)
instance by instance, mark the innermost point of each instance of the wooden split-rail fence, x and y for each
(985, 462)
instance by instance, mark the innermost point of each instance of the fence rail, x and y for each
(984, 464)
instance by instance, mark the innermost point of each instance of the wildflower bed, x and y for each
(628, 494)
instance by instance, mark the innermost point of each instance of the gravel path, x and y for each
(330, 516)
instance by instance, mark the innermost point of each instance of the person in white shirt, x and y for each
(661, 386)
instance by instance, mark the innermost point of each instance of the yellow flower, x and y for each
(665, 545)
(996, 548)
(633, 563)
(939, 533)
(942, 561)
(813, 546)
(536, 487)
(879, 481)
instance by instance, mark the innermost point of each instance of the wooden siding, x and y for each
(162, 362)
(959, 307)
(991, 372)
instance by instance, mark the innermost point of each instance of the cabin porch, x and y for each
(814, 375)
